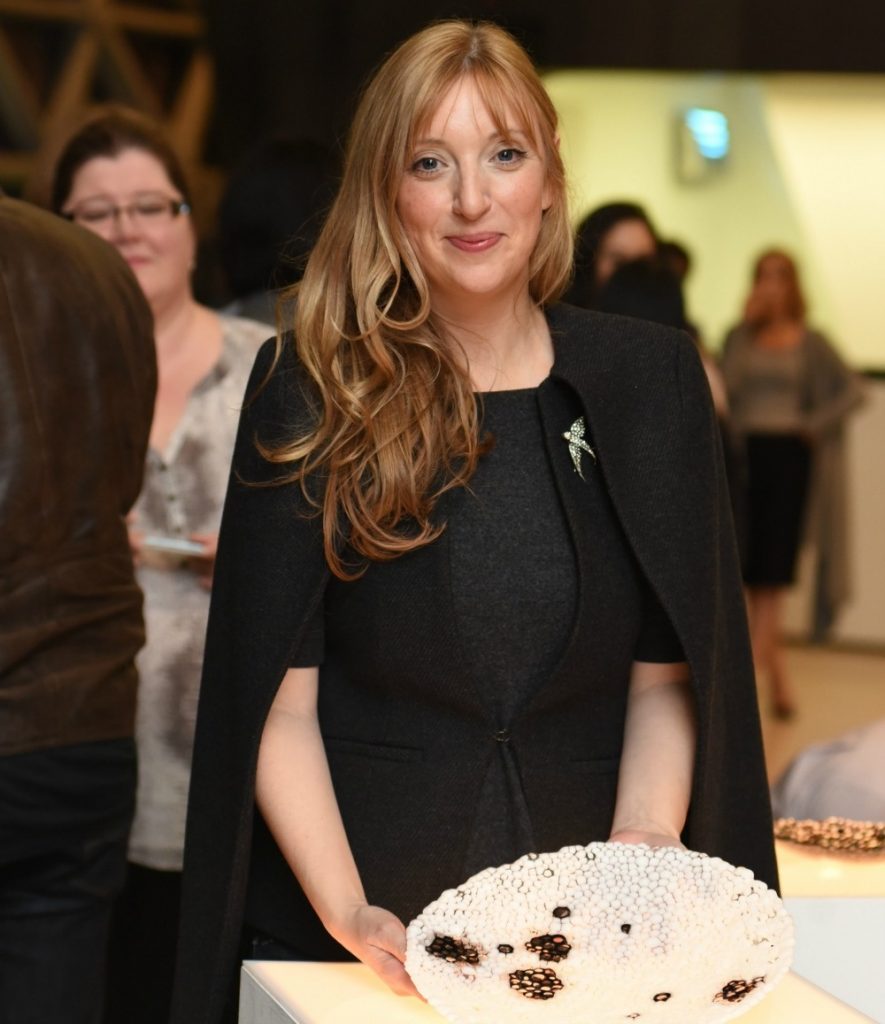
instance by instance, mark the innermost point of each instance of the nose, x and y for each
(124, 225)
(471, 198)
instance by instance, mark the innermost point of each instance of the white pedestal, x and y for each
(838, 906)
(840, 945)
(808, 874)
(305, 993)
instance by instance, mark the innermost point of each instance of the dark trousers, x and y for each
(65, 815)
(144, 933)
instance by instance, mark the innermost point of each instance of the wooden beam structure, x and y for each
(58, 58)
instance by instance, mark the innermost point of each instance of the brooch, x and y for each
(576, 444)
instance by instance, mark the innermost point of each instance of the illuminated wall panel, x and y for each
(805, 171)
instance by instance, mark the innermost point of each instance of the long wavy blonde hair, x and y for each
(398, 422)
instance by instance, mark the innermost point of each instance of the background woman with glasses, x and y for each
(119, 178)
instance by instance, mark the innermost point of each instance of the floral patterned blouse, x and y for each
(183, 492)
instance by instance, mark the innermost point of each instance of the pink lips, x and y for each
(475, 243)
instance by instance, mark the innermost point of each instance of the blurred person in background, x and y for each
(119, 178)
(268, 220)
(651, 290)
(677, 258)
(644, 288)
(77, 383)
(607, 237)
(789, 394)
(839, 778)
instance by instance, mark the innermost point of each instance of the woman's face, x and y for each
(773, 286)
(471, 202)
(774, 273)
(129, 200)
(627, 241)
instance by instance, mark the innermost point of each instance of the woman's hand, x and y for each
(204, 565)
(294, 791)
(649, 836)
(136, 536)
(378, 939)
(135, 540)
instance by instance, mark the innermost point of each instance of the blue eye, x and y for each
(426, 165)
(510, 155)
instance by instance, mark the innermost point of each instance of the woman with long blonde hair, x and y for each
(473, 595)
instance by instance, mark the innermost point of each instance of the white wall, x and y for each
(862, 620)
(829, 137)
(805, 172)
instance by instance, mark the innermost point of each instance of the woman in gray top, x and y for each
(789, 393)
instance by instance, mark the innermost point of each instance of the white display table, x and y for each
(813, 874)
(838, 906)
(305, 993)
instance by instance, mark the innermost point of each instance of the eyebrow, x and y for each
(108, 197)
(509, 132)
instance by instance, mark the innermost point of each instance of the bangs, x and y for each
(510, 110)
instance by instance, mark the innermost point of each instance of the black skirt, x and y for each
(778, 470)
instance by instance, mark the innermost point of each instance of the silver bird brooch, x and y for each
(576, 444)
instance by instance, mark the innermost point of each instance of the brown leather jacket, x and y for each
(77, 384)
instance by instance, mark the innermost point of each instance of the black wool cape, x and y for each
(645, 398)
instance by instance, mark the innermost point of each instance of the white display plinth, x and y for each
(840, 945)
(810, 873)
(838, 906)
(276, 992)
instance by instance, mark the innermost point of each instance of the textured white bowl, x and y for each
(656, 936)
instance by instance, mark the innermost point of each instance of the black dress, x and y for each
(512, 604)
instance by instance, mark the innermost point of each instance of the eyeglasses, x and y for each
(148, 210)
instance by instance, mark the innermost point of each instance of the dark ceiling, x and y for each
(294, 66)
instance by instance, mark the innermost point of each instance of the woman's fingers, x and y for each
(378, 938)
(390, 943)
(392, 973)
(209, 542)
(204, 565)
(135, 539)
